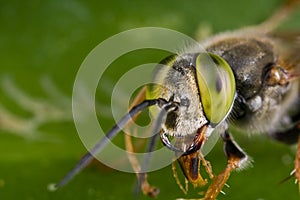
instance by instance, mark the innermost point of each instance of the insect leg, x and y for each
(175, 174)
(297, 161)
(170, 106)
(140, 170)
(235, 160)
(292, 136)
(190, 165)
(145, 186)
(206, 165)
(279, 16)
(142, 175)
(142, 181)
(89, 156)
(189, 161)
(292, 133)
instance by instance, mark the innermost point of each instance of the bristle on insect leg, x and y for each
(235, 160)
(220, 180)
(183, 189)
(207, 166)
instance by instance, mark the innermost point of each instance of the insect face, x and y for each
(203, 85)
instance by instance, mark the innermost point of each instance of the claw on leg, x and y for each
(147, 189)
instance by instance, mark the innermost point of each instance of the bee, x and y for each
(248, 79)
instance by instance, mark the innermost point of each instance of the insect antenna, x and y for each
(88, 157)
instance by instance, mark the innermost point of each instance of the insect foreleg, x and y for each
(141, 170)
(280, 16)
(235, 160)
(143, 183)
(89, 156)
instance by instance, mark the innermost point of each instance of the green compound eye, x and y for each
(216, 84)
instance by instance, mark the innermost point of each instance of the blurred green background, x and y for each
(43, 44)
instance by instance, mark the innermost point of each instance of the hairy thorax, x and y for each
(259, 107)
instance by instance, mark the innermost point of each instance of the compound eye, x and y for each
(216, 84)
